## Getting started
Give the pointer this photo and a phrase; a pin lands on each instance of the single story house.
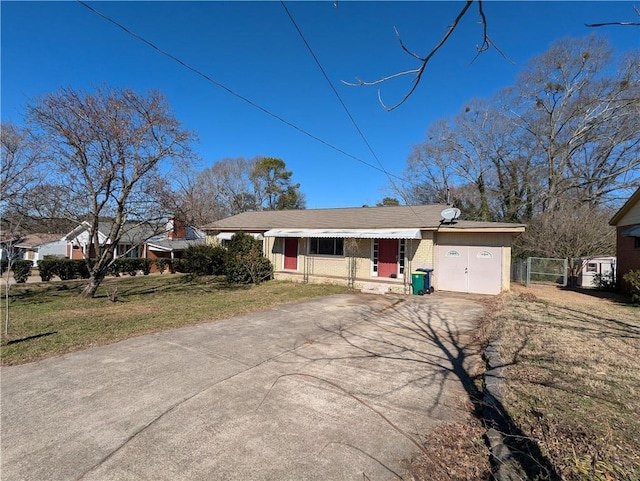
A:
(377, 248)
(168, 240)
(627, 224)
(34, 247)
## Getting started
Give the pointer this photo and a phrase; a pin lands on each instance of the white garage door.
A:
(474, 269)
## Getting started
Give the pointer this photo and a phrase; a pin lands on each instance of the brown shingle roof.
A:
(391, 217)
(35, 240)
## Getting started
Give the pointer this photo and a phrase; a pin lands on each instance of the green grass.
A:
(49, 319)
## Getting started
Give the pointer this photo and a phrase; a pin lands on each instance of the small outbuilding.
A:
(378, 248)
(596, 270)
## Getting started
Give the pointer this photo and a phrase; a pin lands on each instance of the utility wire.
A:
(229, 90)
(344, 106)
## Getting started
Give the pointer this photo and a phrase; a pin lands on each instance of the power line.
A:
(227, 89)
(337, 94)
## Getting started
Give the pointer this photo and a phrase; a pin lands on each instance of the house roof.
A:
(133, 232)
(426, 217)
(628, 205)
(169, 245)
(35, 240)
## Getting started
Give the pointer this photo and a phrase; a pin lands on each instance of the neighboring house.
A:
(377, 248)
(627, 224)
(34, 247)
(594, 268)
(176, 238)
(139, 240)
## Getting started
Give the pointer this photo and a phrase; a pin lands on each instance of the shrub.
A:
(129, 265)
(244, 262)
(632, 280)
(21, 270)
(203, 260)
(604, 282)
(162, 263)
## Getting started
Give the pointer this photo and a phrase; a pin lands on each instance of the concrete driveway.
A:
(304, 391)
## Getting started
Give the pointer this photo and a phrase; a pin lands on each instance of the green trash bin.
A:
(417, 283)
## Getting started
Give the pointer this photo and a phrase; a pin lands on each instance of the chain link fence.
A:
(540, 270)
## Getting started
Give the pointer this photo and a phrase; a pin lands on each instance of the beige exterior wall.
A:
(420, 252)
(632, 217)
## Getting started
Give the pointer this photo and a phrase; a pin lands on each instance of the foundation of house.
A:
(369, 286)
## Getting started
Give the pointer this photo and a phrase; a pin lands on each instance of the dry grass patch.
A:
(573, 379)
(51, 318)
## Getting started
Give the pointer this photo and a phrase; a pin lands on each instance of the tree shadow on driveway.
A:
(424, 348)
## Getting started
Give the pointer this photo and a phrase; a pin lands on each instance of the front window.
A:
(326, 246)
(128, 250)
(591, 267)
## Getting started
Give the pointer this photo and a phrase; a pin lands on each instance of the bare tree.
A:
(584, 119)
(105, 149)
(569, 129)
(18, 165)
(234, 185)
(476, 161)
(572, 230)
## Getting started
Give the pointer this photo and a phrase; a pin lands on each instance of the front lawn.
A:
(51, 318)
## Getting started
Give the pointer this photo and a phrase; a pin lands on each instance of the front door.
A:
(387, 257)
(291, 253)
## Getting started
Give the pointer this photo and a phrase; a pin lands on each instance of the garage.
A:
(474, 260)
(473, 269)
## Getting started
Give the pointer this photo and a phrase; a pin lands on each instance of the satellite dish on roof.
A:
(450, 214)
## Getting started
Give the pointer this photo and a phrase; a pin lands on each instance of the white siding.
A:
(632, 217)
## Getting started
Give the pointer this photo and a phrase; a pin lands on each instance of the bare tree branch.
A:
(419, 71)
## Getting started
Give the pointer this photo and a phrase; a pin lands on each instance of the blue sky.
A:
(254, 49)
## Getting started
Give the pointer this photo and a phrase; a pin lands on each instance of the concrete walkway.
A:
(299, 392)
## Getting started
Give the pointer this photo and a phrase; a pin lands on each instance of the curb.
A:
(505, 465)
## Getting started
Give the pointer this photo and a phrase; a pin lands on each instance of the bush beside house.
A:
(632, 281)
(244, 261)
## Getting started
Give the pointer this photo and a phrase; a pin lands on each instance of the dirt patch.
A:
(453, 452)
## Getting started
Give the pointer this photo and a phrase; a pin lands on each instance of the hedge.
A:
(65, 269)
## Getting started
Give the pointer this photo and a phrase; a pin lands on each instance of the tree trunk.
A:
(94, 282)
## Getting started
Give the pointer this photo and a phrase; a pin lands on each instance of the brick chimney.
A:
(177, 229)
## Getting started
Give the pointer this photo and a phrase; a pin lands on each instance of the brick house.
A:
(377, 248)
(627, 224)
(168, 240)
